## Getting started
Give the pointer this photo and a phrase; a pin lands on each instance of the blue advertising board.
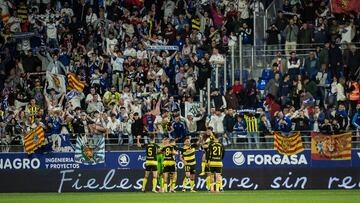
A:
(136, 159)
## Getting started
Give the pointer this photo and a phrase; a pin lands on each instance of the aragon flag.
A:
(74, 82)
(34, 140)
(288, 145)
(345, 6)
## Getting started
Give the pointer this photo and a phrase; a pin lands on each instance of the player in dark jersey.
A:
(169, 151)
(215, 154)
(205, 141)
(188, 158)
(151, 163)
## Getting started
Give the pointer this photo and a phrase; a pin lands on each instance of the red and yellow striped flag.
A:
(331, 147)
(288, 145)
(74, 82)
(34, 140)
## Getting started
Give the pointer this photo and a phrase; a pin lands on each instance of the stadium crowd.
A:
(136, 83)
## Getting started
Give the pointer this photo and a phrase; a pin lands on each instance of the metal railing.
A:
(229, 140)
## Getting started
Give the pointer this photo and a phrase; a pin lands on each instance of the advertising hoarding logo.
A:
(123, 160)
(19, 163)
(238, 158)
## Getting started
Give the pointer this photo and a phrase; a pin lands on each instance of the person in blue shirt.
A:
(54, 123)
(179, 42)
(239, 128)
(179, 129)
(356, 119)
(148, 122)
(342, 117)
(283, 123)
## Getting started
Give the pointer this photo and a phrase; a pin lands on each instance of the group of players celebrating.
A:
(161, 161)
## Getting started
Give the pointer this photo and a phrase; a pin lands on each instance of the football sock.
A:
(144, 184)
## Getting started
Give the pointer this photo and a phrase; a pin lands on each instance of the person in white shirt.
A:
(67, 11)
(257, 6)
(333, 92)
(74, 98)
(127, 96)
(293, 65)
(340, 90)
(243, 8)
(113, 128)
(93, 101)
(14, 23)
(111, 43)
(191, 122)
(347, 32)
(95, 78)
(51, 33)
(55, 66)
(216, 122)
(125, 128)
(321, 78)
(129, 50)
(91, 17)
(216, 58)
(168, 8)
(141, 52)
(117, 62)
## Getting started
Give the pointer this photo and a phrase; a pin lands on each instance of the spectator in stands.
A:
(340, 91)
(231, 99)
(291, 35)
(342, 117)
(354, 95)
(293, 65)
(191, 123)
(265, 130)
(283, 123)
(179, 129)
(335, 60)
(356, 121)
(137, 126)
(113, 129)
(273, 86)
(272, 39)
(311, 65)
(217, 100)
(302, 124)
(305, 37)
(284, 90)
(111, 98)
(252, 130)
(251, 95)
(229, 122)
(216, 121)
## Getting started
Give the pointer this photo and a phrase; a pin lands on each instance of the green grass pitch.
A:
(276, 196)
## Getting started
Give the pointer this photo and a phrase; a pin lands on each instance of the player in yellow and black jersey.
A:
(205, 141)
(215, 155)
(188, 158)
(151, 163)
(169, 151)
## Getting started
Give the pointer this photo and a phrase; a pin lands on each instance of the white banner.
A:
(193, 108)
(162, 47)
